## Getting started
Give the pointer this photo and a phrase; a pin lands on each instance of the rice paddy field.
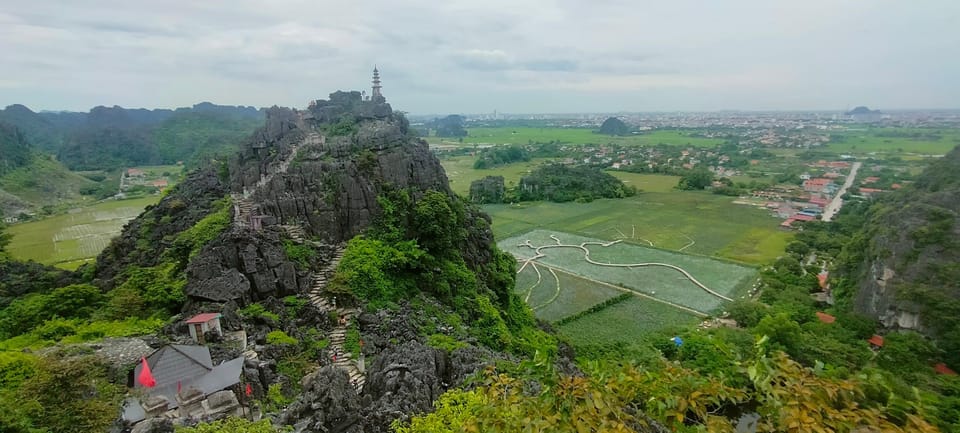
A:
(554, 294)
(624, 322)
(74, 238)
(693, 222)
(726, 279)
(558, 282)
(525, 135)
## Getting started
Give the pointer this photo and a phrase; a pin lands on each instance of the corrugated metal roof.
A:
(203, 317)
(173, 363)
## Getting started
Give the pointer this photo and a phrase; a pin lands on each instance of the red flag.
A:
(249, 390)
(146, 378)
(178, 387)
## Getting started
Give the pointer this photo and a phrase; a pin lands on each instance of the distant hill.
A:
(861, 110)
(37, 129)
(614, 126)
(15, 150)
(30, 179)
(115, 137)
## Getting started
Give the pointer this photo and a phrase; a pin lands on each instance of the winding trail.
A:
(555, 295)
(586, 256)
(539, 279)
(633, 292)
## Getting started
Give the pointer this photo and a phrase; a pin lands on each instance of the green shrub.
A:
(233, 425)
(280, 338)
(351, 341)
(257, 311)
(444, 342)
(294, 304)
(301, 254)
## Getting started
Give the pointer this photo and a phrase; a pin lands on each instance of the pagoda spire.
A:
(376, 96)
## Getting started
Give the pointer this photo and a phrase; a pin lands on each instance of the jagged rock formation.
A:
(909, 250)
(312, 179)
(152, 232)
(490, 189)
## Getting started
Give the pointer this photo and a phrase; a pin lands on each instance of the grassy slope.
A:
(44, 181)
(521, 135)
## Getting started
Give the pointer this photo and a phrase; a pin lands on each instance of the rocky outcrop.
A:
(908, 277)
(490, 189)
(246, 266)
(328, 403)
(144, 238)
(331, 187)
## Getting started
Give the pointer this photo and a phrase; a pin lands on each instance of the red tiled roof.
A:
(802, 217)
(818, 181)
(787, 223)
(876, 340)
(870, 190)
(819, 201)
(825, 318)
(943, 369)
(896, 186)
(822, 278)
(871, 179)
(203, 317)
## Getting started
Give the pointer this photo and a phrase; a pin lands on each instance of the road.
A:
(837, 201)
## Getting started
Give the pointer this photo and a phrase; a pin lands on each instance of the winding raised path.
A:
(586, 256)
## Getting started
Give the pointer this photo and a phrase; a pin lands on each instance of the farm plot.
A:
(624, 322)
(559, 294)
(693, 222)
(700, 283)
(69, 240)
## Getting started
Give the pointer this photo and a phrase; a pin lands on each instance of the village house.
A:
(185, 383)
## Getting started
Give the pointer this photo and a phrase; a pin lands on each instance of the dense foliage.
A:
(15, 150)
(417, 246)
(501, 155)
(450, 126)
(562, 183)
(56, 393)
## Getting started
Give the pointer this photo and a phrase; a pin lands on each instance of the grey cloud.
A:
(465, 56)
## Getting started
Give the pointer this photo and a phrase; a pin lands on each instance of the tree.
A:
(696, 180)
(4, 236)
(70, 394)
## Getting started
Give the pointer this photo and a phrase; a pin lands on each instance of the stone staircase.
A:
(338, 335)
(296, 232)
(244, 207)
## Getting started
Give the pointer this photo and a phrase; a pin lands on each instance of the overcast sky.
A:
(516, 56)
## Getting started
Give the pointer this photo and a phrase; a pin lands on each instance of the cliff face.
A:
(910, 272)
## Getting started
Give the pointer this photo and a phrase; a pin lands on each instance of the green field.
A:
(697, 222)
(575, 293)
(71, 239)
(660, 282)
(624, 322)
(460, 171)
(525, 135)
(928, 141)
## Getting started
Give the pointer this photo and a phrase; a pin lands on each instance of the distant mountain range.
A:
(108, 139)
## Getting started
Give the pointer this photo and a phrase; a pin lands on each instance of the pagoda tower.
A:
(376, 96)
